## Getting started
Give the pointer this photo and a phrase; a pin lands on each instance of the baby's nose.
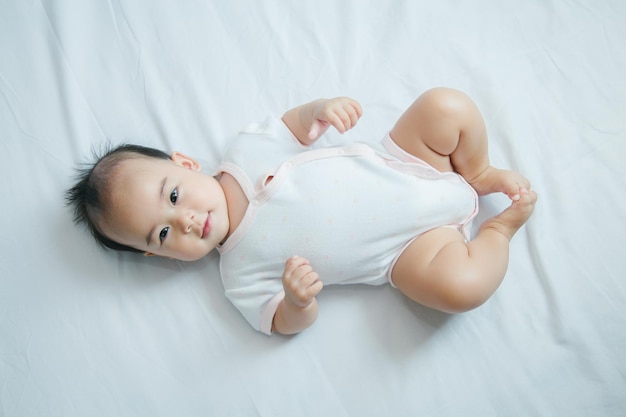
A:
(186, 221)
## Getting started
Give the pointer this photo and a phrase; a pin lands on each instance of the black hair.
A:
(87, 198)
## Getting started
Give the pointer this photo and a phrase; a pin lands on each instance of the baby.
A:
(356, 215)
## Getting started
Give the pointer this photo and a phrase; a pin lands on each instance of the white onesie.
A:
(349, 210)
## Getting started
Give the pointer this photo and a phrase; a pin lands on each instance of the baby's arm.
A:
(298, 310)
(309, 121)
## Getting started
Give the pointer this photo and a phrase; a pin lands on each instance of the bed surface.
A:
(85, 332)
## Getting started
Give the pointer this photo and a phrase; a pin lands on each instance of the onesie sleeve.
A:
(256, 294)
(271, 127)
(259, 311)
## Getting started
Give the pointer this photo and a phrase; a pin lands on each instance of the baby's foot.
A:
(493, 180)
(510, 220)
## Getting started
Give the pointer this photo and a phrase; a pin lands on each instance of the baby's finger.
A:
(306, 290)
(316, 288)
(309, 279)
(335, 121)
(294, 279)
(346, 120)
(293, 263)
(355, 111)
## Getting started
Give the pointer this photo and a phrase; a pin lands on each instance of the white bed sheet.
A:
(84, 332)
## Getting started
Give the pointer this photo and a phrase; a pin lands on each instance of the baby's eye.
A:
(163, 234)
(174, 196)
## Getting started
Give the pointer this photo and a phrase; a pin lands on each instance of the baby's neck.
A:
(236, 201)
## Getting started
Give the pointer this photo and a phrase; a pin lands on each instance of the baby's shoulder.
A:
(266, 127)
(269, 137)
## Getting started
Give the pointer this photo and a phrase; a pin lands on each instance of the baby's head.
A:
(143, 200)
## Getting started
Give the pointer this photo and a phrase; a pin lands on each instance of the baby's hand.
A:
(340, 112)
(300, 282)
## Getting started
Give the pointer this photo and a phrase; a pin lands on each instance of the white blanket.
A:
(88, 332)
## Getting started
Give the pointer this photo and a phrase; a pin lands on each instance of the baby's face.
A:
(166, 208)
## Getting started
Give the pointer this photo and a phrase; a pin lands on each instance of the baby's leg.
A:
(443, 271)
(444, 128)
(440, 269)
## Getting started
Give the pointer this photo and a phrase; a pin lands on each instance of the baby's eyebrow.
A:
(151, 232)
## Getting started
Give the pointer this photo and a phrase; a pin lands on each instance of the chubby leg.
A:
(443, 271)
(440, 269)
(444, 128)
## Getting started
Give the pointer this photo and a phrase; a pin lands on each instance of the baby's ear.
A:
(185, 161)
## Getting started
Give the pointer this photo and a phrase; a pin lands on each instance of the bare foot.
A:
(510, 220)
(494, 180)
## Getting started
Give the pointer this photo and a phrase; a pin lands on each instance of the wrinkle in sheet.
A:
(114, 58)
(556, 316)
(16, 368)
(340, 409)
(10, 98)
(62, 75)
(121, 24)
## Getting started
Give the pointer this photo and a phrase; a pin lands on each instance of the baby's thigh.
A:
(426, 270)
(429, 128)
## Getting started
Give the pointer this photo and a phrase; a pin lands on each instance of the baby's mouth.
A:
(207, 226)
